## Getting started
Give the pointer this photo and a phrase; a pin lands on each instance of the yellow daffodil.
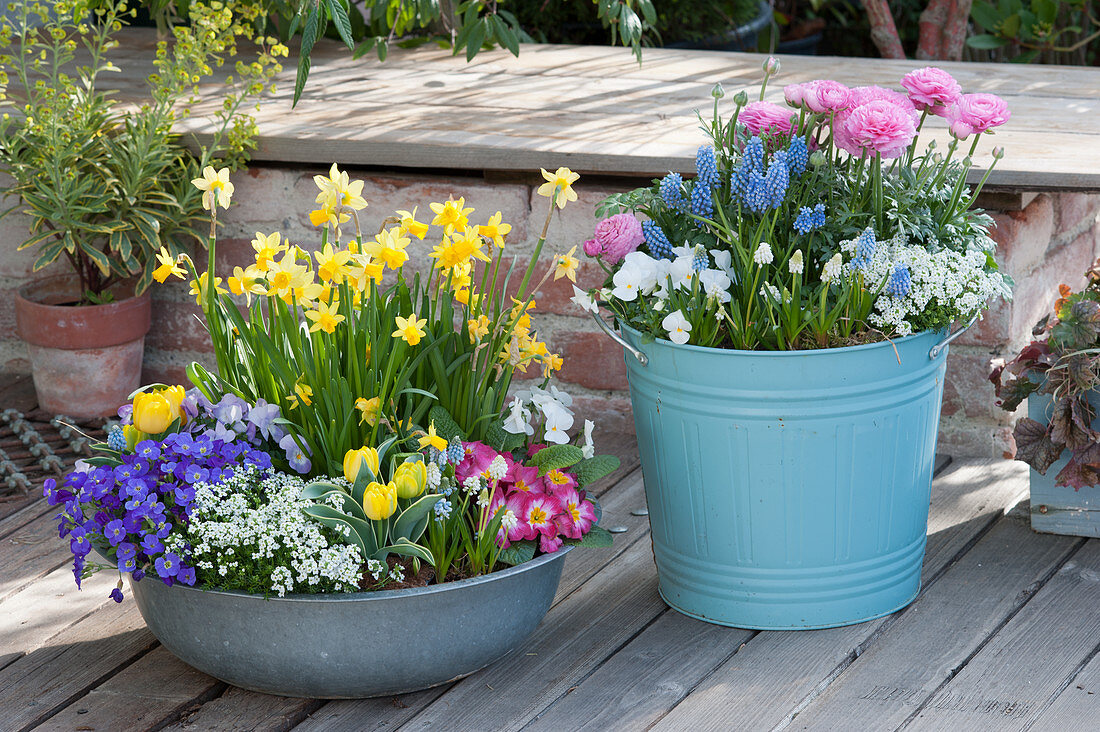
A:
(410, 478)
(388, 247)
(459, 249)
(460, 275)
(337, 190)
(303, 394)
(332, 264)
(324, 318)
(431, 438)
(168, 266)
(379, 501)
(215, 186)
(362, 270)
(354, 460)
(410, 329)
(478, 328)
(286, 275)
(551, 362)
(328, 215)
(523, 319)
(565, 265)
(559, 186)
(495, 231)
(198, 289)
(247, 282)
(409, 224)
(267, 248)
(369, 409)
(451, 215)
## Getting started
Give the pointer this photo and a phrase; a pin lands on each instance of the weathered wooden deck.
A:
(1004, 636)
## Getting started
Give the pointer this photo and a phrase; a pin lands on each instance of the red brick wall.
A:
(1044, 240)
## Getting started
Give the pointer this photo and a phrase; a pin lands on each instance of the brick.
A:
(612, 415)
(1073, 211)
(177, 326)
(592, 360)
(7, 313)
(573, 224)
(1023, 237)
(967, 389)
(963, 438)
(263, 200)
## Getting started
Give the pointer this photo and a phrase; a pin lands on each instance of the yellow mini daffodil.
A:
(332, 264)
(410, 329)
(551, 362)
(369, 409)
(379, 501)
(307, 295)
(337, 190)
(286, 275)
(559, 186)
(267, 248)
(168, 267)
(215, 186)
(303, 394)
(565, 265)
(388, 247)
(478, 328)
(362, 270)
(459, 248)
(523, 319)
(354, 460)
(324, 317)
(198, 288)
(432, 439)
(409, 224)
(495, 231)
(409, 479)
(460, 275)
(452, 215)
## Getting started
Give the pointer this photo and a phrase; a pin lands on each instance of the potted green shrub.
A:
(1058, 374)
(106, 185)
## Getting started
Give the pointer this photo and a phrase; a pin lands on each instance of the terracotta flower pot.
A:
(85, 359)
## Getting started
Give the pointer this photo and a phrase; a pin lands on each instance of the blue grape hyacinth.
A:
(117, 439)
(672, 193)
(702, 203)
(797, 156)
(865, 249)
(706, 167)
(656, 240)
(809, 219)
(900, 281)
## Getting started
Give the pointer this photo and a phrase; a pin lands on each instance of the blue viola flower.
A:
(186, 575)
(167, 566)
(125, 550)
(151, 544)
(195, 474)
(78, 542)
(147, 449)
(116, 594)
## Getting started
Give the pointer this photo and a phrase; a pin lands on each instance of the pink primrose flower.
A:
(511, 527)
(476, 462)
(977, 113)
(825, 96)
(557, 480)
(618, 236)
(523, 479)
(877, 127)
(577, 514)
(761, 117)
(931, 89)
(549, 544)
(537, 514)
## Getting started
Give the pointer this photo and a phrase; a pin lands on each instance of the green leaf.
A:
(984, 15)
(445, 425)
(362, 533)
(1010, 28)
(518, 553)
(309, 38)
(339, 15)
(477, 37)
(986, 42)
(501, 439)
(597, 536)
(596, 467)
(556, 457)
(103, 460)
(316, 489)
(412, 522)
(405, 548)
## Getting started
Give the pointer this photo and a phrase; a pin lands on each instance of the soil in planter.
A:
(423, 578)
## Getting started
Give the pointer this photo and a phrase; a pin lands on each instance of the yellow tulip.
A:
(175, 396)
(353, 461)
(152, 412)
(379, 501)
(410, 479)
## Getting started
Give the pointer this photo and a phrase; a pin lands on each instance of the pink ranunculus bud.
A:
(765, 117)
(824, 96)
(592, 248)
(771, 66)
(617, 236)
(793, 94)
(878, 127)
(977, 113)
(931, 89)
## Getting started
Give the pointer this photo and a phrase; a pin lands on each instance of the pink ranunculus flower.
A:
(617, 236)
(592, 248)
(794, 94)
(878, 127)
(977, 113)
(765, 117)
(931, 89)
(577, 514)
(864, 94)
(825, 96)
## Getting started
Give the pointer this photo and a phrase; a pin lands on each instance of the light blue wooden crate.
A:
(1060, 509)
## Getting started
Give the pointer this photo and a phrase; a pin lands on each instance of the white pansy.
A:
(677, 326)
(716, 284)
(558, 422)
(681, 272)
(589, 449)
(627, 283)
(584, 301)
(518, 421)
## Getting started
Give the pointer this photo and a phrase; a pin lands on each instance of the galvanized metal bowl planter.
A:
(344, 646)
(787, 489)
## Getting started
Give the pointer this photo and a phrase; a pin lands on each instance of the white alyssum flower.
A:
(763, 254)
(677, 326)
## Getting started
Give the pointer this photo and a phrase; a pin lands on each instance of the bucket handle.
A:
(642, 358)
(942, 345)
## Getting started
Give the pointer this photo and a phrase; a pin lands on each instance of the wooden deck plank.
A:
(79, 658)
(596, 110)
(141, 696)
(1080, 701)
(30, 552)
(940, 631)
(777, 673)
(1029, 662)
(247, 711)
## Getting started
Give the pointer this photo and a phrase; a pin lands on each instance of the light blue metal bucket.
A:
(787, 490)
